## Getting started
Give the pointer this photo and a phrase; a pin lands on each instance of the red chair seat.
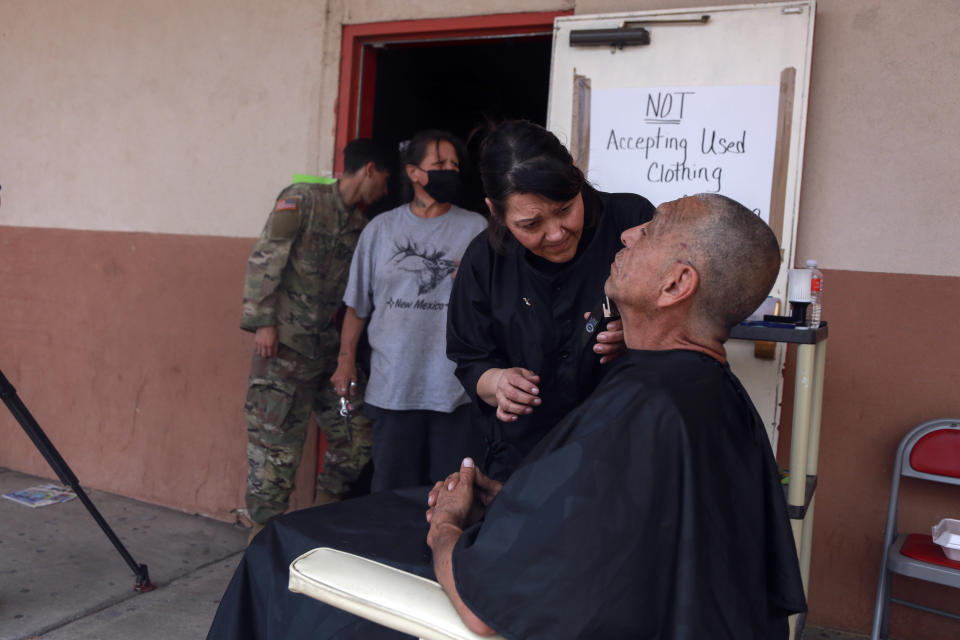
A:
(922, 547)
(938, 453)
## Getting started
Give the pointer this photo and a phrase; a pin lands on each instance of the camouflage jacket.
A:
(298, 268)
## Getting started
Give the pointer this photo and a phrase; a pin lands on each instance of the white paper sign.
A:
(668, 142)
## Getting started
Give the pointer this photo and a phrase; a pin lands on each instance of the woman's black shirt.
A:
(510, 309)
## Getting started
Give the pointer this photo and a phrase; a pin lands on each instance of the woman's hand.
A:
(517, 393)
(344, 379)
(512, 391)
(610, 342)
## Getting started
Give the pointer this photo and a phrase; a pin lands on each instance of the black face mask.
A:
(443, 185)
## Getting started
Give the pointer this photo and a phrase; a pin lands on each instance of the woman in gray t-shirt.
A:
(400, 281)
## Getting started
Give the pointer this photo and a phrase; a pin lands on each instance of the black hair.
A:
(359, 152)
(519, 156)
(414, 150)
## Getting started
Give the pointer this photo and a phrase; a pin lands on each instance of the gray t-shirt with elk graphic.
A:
(400, 278)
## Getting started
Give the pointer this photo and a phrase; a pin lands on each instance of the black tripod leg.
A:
(9, 396)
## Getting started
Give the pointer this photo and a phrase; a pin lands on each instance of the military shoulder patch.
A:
(286, 204)
(284, 224)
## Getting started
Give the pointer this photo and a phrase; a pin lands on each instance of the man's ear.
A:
(680, 282)
(489, 205)
(370, 168)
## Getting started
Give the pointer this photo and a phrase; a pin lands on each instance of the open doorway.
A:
(457, 87)
(454, 74)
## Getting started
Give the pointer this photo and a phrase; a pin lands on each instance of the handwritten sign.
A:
(667, 142)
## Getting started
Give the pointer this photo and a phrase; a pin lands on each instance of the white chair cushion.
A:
(377, 592)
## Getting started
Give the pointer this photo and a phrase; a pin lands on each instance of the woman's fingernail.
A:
(468, 462)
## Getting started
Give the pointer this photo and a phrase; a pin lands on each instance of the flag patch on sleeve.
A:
(286, 204)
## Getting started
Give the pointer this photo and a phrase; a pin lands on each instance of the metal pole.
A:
(23, 416)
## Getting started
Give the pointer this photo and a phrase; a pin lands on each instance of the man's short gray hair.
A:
(737, 257)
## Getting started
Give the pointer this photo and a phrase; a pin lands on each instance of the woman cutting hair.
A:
(516, 326)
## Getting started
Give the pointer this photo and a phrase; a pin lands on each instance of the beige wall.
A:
(171, 116)
(155, 115)
(143, 142)
(175, 116)
(880, 187)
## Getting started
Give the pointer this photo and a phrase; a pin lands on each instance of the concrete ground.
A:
(62, 579)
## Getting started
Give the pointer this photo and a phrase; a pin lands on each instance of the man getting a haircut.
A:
(654, 509)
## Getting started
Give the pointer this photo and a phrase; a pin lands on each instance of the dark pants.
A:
(416, 448)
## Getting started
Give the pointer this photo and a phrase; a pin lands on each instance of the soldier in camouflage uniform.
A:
(294, 284)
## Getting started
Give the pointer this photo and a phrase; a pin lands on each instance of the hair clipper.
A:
(602, 316)
(610, 311)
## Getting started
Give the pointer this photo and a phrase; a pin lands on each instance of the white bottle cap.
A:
(811, 264)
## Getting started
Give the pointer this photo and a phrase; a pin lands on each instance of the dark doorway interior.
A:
(457, 86)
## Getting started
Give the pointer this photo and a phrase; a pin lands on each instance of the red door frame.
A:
(354, 68)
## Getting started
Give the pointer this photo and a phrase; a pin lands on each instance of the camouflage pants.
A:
(282, 393)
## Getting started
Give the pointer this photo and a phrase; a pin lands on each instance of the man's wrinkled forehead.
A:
(663, 219)
(677, 212)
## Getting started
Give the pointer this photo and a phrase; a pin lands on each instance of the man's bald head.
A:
(736, 255)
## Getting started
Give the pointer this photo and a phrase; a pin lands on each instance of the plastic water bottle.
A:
(816, 295)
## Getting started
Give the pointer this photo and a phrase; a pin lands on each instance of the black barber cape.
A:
(388, 527)
(653, 511)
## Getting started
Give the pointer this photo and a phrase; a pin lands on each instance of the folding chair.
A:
(375, 591)
(930, 452)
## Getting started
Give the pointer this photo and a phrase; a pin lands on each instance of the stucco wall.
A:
(142, 145)
(176, 117)
(172, 116)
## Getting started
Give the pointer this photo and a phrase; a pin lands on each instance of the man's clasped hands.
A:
(461, 498)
